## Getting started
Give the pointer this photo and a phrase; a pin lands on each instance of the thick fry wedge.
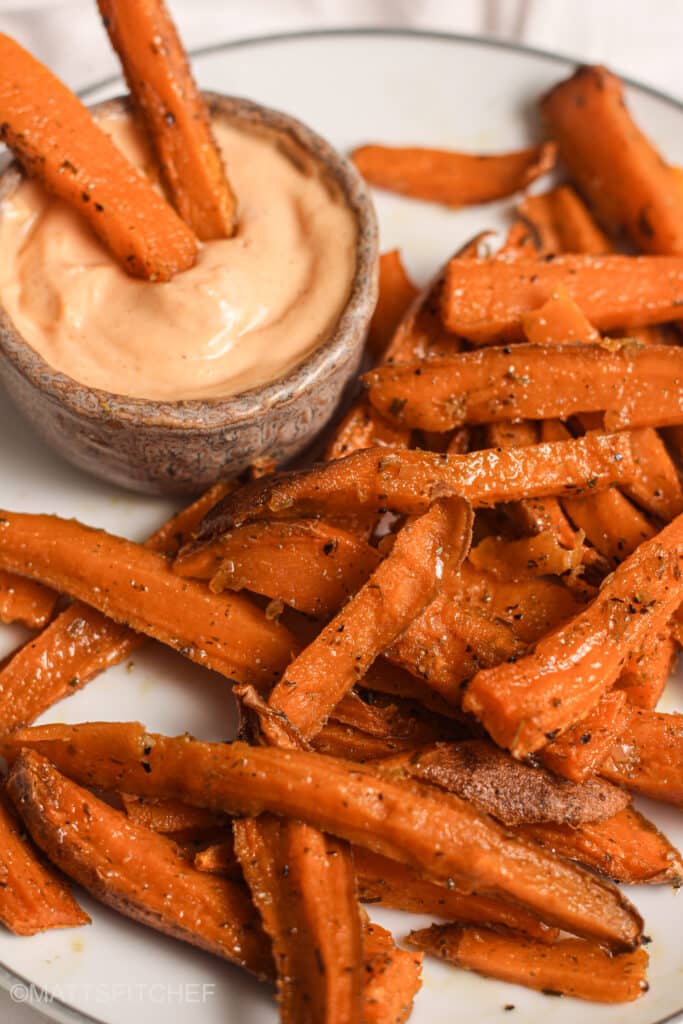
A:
(81, 165)
(177, 120)
(485, 300)
(526, 704)
(135, 871)
(578, 753)
(570, 967)
(625, 179)
(393, 978)
(136, 586)
(33, 898)
(454, 179)
(647, 757)
(627, 848)
(446, 840)
(563, 223)
(25, 601)
(396, 293)
(633, 386)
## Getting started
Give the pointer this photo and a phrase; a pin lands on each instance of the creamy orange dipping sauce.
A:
(252, 308)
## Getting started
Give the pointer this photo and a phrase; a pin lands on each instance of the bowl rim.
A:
(212, 413)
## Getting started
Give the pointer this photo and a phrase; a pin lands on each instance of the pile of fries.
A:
(448, 640)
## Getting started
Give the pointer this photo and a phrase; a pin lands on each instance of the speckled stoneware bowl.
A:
(181, 447)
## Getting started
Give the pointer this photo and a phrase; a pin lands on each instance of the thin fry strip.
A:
(485, 300)
(454, 179)
(136, 587)
(635, 387)
(446, 840)
(526, 704)
(625, 179)
(563, 223)
(25, 601)
(578, 753)
(570, 967)
(647, 757)
(396, 294)
(80, 164)
(159, 78)
(137, 872)
(342, 653)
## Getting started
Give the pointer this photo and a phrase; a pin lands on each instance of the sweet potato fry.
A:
(454, 179)
(625, 179)
(33, 898)
(558, 321)
(647, 757)
(177, 120)
(627, 848)
(646, 672)
(136, 586)
(570, 967)
(25, 601)
(635, 387)
(80, 164)
(526, 704)
(396, 293)
(135, 871)
(578, 753)
(485, 300)
(513, 793)
(563, 223)
(446, 840)
(392, 980)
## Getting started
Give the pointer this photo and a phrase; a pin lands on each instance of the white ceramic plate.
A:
(353, 87)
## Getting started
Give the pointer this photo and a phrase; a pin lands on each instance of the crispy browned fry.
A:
(578, 753)
(647, 757)
(396, 293)
(526, 704)
(25, 601)
(512, 792)
(623, 176)
(627, 848)
(393, 977)
(137, 587)
(634, 386)
(563, 223)
(33, 898)
(570, 967)
(398, 590)
(646, 672)
(445, 839)
(137, 872)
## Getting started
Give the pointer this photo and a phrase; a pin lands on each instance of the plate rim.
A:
(53, 1008)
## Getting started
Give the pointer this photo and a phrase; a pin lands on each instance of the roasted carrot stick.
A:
(169, 815)
(636, 387)
(646, 672)
(398, 590)
(627, 848)
(137, 872)
(219, 859)
(647, 757)
(569, 967)
(160, 80)
(33, 898)
(526, 704)
(393, 978)
(56, 140)
(137, 587)
(454, 179)
(540, 555)
(563, 223)
(446, 840)
(578, 753)
(625, 179)
(519, 243)
(396, 293)
(25, 601)
(656, 484)
(558, 321)
(485, 300)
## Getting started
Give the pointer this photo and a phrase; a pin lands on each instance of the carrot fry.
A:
(393, 978)
(637, 387)
(159, 77)
(485, 300)
(578, 753)
(526, 704)
(80, 164)
(646, 671)
(519, 243)
(81, 642)
(341, 654)
(396, 293)
(647, 757)
(454, 179)
(385, 678)
(33, 898)
(363, 427)
(219, 859)
(558, 321)
(25, 601)
(352, 744)
(656, 485)
(563, 223)
(625, 179)
(408, 482)
(627, 848)
(446, 840)
(513, 793)
(391, 884)
(136, 586)
(569, 967)
(169, 815)
(540, 555)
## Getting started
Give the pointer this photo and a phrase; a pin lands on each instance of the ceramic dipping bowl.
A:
(181, 447)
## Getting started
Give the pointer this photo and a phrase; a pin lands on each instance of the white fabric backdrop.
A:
(635, 37)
